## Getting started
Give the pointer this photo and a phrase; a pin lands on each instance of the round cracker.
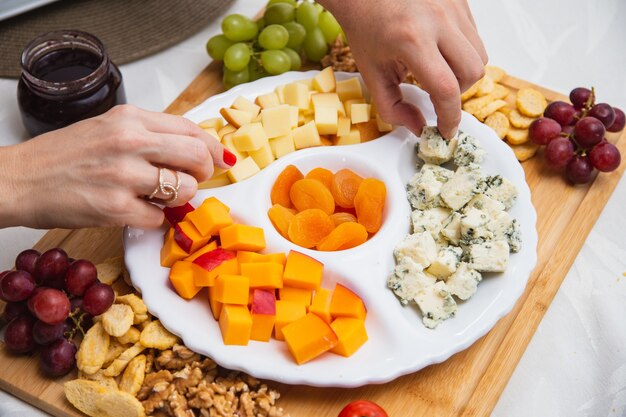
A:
(495, 73)
(520, 121)
(517, 136)
(525, 151)
(499, 123)
(530, 102)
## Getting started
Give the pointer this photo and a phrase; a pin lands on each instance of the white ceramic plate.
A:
(398, 341)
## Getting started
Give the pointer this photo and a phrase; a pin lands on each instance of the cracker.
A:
(470, 92)
(489, 109)
(133, 375)
(158, 337)
(110, 270)
(517, 136)
(530, 102)
(93, 349)
(499, 123)
(140, 318)
(83, 395)
(525, 151)
(115, 350)
(130, 337)
(477, 103)
(486, 86)
(520, 121)
(495, 73)
(105, 381)
(120, 363)
(136, 303)
(500, 92)
(115, 403)
(117, 319)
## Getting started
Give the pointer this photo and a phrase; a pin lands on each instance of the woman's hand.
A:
(98, 172)
(436, 40)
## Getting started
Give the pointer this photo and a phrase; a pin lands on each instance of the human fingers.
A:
(163, 185)
(143, 215)
(466, 24)
(436, 77)
(463, 59)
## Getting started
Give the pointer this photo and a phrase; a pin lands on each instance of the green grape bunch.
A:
(289, 33)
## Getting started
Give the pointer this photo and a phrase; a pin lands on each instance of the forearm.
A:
(14, 202)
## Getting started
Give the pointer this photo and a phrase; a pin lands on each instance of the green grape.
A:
(233, 78)
(280, 13)
(239, 28)
(294, 58)
(274, 37)
(260, 24)
(275, 62)
(318, 7)
(329, 26)
(256, 70)
(297, 32)
(307, 15)
(217, 46)
(237, 57)
(292, 2)
(315, 45)
(344, 38)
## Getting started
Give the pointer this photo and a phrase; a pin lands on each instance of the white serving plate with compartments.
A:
(398, 341)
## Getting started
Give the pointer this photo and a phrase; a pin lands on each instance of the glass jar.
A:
(67, 76)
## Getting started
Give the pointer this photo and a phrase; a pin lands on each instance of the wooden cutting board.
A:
(467, 384)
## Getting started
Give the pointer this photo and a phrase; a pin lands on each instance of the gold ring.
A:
(169, 190)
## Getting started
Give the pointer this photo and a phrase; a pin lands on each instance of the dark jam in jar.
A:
(66, 77)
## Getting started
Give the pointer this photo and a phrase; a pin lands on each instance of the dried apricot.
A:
(281, 217)
(322, 175)
(345, 236)
(309, 227)
(344, 187)
(309, 194)
(342, 217)
(282, 185)
(369, 203)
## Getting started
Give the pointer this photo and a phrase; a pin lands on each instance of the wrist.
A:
(14, 199)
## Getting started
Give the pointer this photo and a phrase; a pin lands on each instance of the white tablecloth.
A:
(575, 365)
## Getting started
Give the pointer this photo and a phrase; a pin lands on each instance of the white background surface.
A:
(575, 366)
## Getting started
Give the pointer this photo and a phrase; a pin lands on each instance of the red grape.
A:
(543, 130)
(51, 306)
(26, 260)
(12, 310)
(98, 298)
(31, 300)
(560, 111)
(588, 132)
(3, 273)
(579, 97)
(81, 275)
(579, 170)
(559, 152)
(605, 157)
(16, 286)
(18, 335)
(76, 305)
(45, 333)
(568, 130)
(603, 112)
(50, 268)
(620, 121)
(58, 358)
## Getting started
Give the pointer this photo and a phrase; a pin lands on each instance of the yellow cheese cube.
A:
(276, 121)
(242, 103)
(295, 112)
(263, 156)
(282, 145)
(216, 181)
(227, 141)
(302, 118)
(328, 100)
(280, 92)
(310, 109)
(250, 137)
(308, 82)
(236, 117)
(244, 168)
(351, 138)
(211, 131)
(382, 125)
(349, 89)
(343, 126)
(297, 94)
(306, 136)
(267, 101)
(325, 141)
(359, 113)
(324, 82)
(257, 119)
(225, 130)
(216, 123)
(348, 105)
(326, 120)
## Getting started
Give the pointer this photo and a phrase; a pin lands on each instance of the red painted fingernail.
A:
(229, 158)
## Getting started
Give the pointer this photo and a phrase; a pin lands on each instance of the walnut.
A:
(168, 359)
(158, 399)
(178, 405)
(154, 382)
(340, 57)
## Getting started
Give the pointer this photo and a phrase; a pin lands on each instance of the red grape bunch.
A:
(574, 135)
(49, 298)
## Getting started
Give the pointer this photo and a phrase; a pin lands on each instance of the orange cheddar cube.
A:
(212, 264)
(242, 237)
(181, 277)
(171, 251)
(205, 249)
(265, 275)
(232, 289)
(263, 310)
(321, 304)
(235, 324)
(309, 337)
(351, 334)
(216, 306)
(210, 217)
(188, 237)
(298, 295)
(345, 303)
(302, 271)
(244, 256)
(287, 312)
